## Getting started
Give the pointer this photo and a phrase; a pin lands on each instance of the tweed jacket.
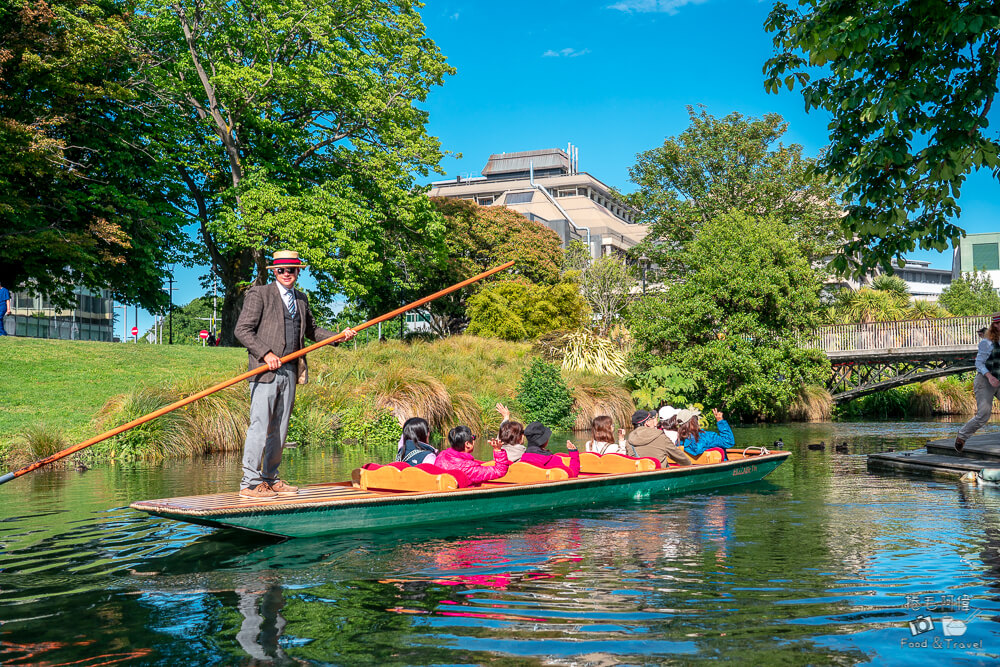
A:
(261, 328)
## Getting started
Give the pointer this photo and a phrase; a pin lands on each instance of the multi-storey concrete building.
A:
(546, 186)
(925, 283)
(37, 317)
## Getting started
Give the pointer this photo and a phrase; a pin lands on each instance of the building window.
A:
(485, 201)
(519, 197)
(985, 257)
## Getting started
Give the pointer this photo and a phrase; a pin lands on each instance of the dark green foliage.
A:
(732, 325)
(880, 405)
(84, 196)
(543, 396)
(972, 294)
(662, 385)
(720, 165)
(909, 85)
(362, 425)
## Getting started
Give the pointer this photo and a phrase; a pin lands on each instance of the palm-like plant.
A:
(926, 310)
(871, 305)
(893, 284)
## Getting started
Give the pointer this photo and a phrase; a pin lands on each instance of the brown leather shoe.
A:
(260, 492)
(959, 444)
(283, 488)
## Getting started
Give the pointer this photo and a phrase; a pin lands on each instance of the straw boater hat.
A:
(286, 259)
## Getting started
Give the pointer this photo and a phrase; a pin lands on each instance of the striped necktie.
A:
(290, 302)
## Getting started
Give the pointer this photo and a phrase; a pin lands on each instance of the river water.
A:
(822, 563)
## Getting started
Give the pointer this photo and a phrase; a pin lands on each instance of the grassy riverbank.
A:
(58, 392)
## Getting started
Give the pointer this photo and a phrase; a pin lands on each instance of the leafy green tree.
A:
(188, 321)
(519, 310)
(543, 396)
(607, 284)
(734, 163)
(84, 199)
(478, 238)
(909, 85)
(732, 325)
(295, 123)
(972, 294)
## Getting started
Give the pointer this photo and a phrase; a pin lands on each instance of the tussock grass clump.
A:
(36, 442)
(946, 396)
(215, 423)
(813, 403)
(595, 395)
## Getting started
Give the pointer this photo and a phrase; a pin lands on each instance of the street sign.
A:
(135, 331)
(203, 334)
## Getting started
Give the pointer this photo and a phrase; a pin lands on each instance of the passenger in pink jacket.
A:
(536, 452)
(459, 457)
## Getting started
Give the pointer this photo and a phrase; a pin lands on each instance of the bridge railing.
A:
(938, 332)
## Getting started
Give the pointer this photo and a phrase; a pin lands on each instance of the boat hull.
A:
(331, 508)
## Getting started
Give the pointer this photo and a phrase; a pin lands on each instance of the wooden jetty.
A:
(941, 460)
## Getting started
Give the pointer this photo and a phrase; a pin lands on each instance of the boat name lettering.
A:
(744, 471)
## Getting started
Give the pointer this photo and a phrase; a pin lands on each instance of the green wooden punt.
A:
(338, 507)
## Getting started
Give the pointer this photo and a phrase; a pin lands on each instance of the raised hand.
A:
(504, 412)
(570, 446)
(717, 414)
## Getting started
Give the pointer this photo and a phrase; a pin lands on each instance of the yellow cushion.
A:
(526, 473)
(711, 456)
(613, 463)
(388, 478)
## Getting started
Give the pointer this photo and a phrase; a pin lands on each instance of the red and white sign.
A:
(135, 331)
(203, 334)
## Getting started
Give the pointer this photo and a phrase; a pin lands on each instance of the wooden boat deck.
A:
(331, 507)
(214, 504)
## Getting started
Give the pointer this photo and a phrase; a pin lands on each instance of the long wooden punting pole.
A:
(239, 378)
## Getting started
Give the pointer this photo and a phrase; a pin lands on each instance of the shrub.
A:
(364, 425)
(582, 350)
(544, 396)
(662, 385)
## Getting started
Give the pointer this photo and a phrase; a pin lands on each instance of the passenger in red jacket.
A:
(536, 452)
(459, 457)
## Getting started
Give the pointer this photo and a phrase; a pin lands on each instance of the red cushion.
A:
(459, 476)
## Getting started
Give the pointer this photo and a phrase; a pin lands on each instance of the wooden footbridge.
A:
(874, 356)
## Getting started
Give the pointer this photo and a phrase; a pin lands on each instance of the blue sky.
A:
(614, 78)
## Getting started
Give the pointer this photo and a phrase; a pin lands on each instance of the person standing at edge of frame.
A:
(987, 383)
(274, 322)
(4, 307)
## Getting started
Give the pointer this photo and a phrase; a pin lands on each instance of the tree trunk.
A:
(234, 277)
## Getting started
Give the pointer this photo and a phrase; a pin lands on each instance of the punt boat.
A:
(363, 505)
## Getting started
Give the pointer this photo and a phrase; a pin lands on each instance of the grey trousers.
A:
(270, 407)
(985, 392)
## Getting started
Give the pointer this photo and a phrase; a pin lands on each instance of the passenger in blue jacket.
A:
(694, 441)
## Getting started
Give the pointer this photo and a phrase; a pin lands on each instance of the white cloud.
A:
(454, 17)
(660, 6)
(565, 53)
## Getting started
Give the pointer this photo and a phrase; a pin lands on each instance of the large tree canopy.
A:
(83, 201)
(910, 86)
(294, 123)
(719, 165)
(478, 238)
(732, 324)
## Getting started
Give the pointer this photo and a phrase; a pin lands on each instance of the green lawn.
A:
(64, 383)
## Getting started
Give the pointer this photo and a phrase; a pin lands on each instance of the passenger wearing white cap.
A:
(668, 422)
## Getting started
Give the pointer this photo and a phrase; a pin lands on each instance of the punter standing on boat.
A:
(987, 382)
(274, 322)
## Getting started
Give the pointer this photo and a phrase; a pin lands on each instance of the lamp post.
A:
(643, 263)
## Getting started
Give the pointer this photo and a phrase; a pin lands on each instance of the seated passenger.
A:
(668, 422)
(647, 440)
(603, 437)
(459, 457)
(536, 450)
(696, 442)
(512, 440)
(414, 447)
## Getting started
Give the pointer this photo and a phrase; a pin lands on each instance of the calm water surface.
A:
(822, 563)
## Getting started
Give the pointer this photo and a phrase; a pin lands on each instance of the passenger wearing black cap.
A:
(536, 437)
(647, 440)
